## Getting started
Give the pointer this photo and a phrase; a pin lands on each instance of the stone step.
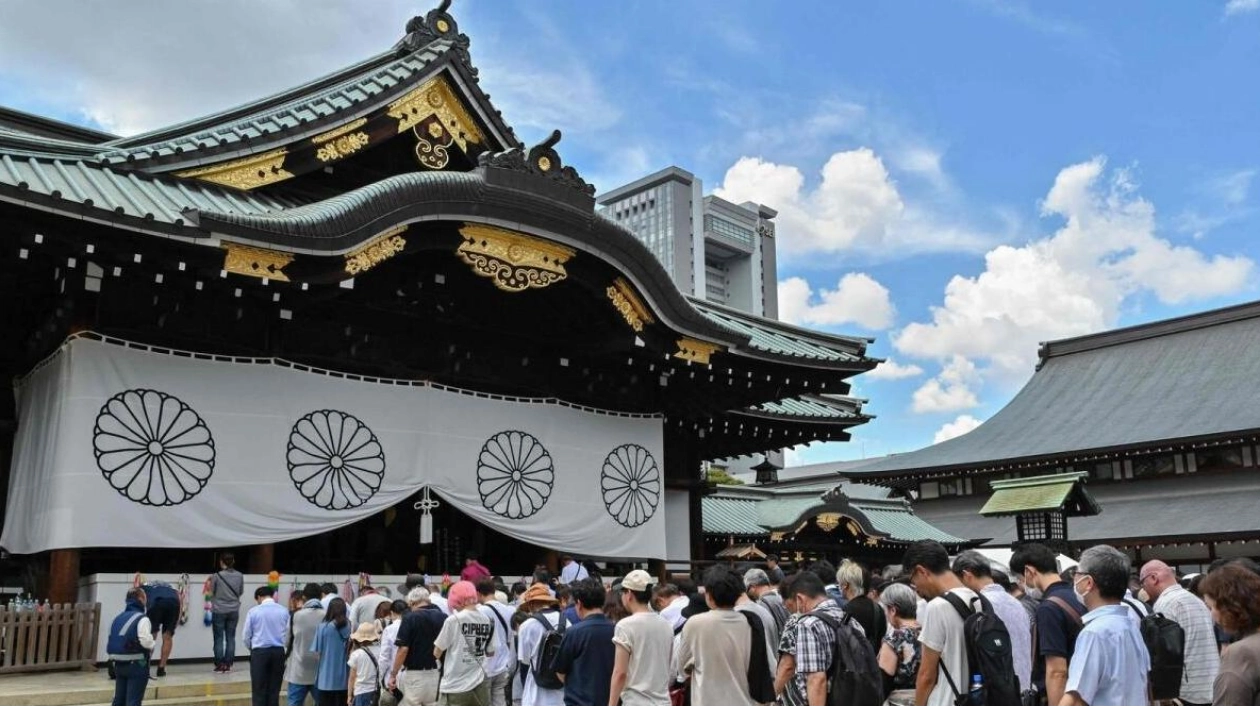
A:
(100, 690)
(243, 698)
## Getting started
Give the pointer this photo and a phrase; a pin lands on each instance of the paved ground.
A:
(187, 682)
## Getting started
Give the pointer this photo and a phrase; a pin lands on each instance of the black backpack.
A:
(760, 679)
(854, 676)
(1166, 642)
(543, 668)
(988, 654)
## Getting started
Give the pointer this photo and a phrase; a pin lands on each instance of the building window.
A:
(1219, 458)
(1163, 465)
(727, 228)
(929, 490)
(1103, 472)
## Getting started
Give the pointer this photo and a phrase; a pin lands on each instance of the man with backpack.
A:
(832, 655)
(1057, 620)
(966, 648)
(716, 647)
(500, 667)
(1111, 663)
(538, 642)
(976, 572)
(1200, 659)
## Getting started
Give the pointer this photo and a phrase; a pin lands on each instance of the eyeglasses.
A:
(1152, 575)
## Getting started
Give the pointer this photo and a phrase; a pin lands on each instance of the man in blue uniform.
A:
(163, 613)
(129, 645)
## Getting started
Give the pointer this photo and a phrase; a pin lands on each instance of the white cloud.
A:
(1071, 283)
(857, 299)
(56, 49)
(855, 206)
(1238, 7)
(890, 370)
(1232, 188)
(856, 201)
(959, 427)
(923, 162)
(949, 391)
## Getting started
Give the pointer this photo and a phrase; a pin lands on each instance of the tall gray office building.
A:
(712, 248)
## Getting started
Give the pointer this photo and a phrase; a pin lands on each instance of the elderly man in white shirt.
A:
(1110, 663)
(1202, 661)
(976, 573)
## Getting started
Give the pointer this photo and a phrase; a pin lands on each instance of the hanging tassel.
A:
(426, 505)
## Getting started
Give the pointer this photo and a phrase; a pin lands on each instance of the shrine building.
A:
(1145, 438)
(281, 327)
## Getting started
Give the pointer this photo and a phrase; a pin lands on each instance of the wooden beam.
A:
(63, 576)
(262, 558)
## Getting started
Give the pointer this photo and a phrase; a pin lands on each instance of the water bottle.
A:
(976, 693)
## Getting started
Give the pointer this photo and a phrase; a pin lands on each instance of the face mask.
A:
(1079, 597)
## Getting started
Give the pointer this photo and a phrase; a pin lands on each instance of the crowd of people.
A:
(934, 630)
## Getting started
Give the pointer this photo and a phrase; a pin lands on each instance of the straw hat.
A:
(366, 631)
(537, 593)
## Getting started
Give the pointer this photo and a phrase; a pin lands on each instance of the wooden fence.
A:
(61, 637)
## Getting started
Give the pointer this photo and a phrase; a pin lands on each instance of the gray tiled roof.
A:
(813, 407)
(332, 98)
(1204, 504)
(1193, 380)
(133, 194)
(784, 339)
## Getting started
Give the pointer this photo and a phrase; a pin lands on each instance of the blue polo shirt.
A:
(586, 659)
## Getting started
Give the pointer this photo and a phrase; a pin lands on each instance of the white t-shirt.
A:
(440, 602)
(673, 612)
(466, 638)
(500, 616)
(650, 640)
(943, 632)
(529, 638)
(363, 661)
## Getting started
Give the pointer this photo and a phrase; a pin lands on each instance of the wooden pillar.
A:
(696, 519)
(63, 576)
(262, 558)
(657, 569)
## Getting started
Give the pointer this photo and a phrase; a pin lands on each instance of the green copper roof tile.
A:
(900, 523)
(730, 516)
(1040, 493)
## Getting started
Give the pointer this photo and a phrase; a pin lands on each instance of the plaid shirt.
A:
(813, 644)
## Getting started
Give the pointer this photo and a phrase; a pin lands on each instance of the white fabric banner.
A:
(126, 447)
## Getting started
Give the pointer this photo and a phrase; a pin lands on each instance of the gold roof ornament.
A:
(695, 350)
(828, 521)
(382, 248)
(341, 142)
(246, 173)
(438, 119)
(513, 261)
(256, 262)
(627, 302)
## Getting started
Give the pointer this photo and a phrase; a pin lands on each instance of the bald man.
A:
(1174, 602)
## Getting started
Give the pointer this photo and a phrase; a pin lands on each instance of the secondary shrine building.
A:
(1145, 438)
(279, 325)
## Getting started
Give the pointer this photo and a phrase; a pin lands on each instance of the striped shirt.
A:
(1202, 660)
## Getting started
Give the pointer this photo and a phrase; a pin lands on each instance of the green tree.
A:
(718, 475)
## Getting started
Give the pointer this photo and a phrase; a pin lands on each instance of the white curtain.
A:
(122, 446)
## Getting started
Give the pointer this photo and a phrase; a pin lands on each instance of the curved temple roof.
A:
(755, 512)
(134, 183)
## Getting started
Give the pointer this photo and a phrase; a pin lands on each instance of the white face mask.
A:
(1079, 597)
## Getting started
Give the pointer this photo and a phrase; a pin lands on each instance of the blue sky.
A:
(959, 180)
